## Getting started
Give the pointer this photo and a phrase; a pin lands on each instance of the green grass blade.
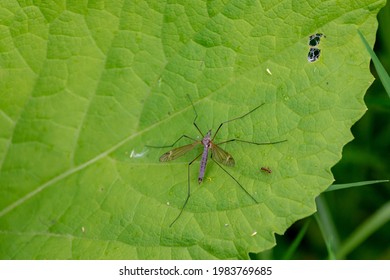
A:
(378, 219)
(336, 187)
(384, 77)
(294, 246)
(327, 227)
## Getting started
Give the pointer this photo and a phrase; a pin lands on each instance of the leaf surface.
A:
(86, 86)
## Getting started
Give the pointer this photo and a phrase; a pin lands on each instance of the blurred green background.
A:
(367, 157)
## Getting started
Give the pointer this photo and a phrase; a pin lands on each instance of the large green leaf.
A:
(87, 85)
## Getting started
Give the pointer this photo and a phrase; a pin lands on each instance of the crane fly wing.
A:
(178, 152)
(221, 156)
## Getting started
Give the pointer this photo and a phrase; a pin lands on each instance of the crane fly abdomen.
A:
(206, 141)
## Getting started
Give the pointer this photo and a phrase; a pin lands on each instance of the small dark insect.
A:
(218, 155)
(313, 54)
(266, 169)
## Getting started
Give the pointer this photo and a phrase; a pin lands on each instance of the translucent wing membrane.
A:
(178, 152)
(221, 156)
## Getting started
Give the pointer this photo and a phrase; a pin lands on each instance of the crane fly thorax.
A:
(206, 141)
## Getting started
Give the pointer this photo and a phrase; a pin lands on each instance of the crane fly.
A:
(218, 155)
